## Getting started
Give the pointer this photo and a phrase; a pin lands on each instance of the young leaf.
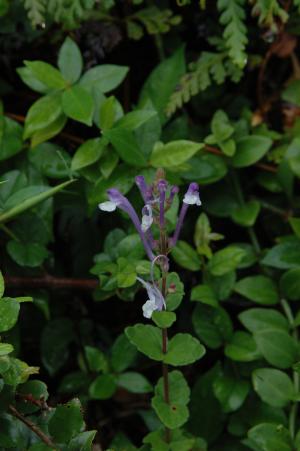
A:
(103, 387)
(78, 104)
(42, 113)
(163, 319)
(104, 78)
(183, 349)
(70, 60)
(225, 260)
(88, 153)
(46, 74)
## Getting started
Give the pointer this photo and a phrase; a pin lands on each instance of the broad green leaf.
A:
(163, 319)
(27, 254)
(212, 325)
(11, 141)
(270, 437)
(277, 346)
(162, 82)
(173, 153)
(273, 386)
(285, 255)
(70, 60)
(66, 421)
(42, 113)
(48, 131)
(135, 119)
(1, 284)
(96, 359)
(242, 348)
(175, 414)
(183, 349)
(258, 319)
(78, 104)
(220, 126)
(246, 214)
(205, 168)
(222, 285)
(18, 372)
(46, 74)
(225, 260)
(230, 391)
(88, 153)
(9, 312)
(51, 160)
(56, 338)
(204, 294)
(31, 202)
(126, 275)
(123, 354)
(147, 339)
(103, 387)
(259, 289)
(5, 348)
(185, 256)
(134, 382)
(108, 113)
(29, 78)
(125, 143)
(82, 441)
(103, 78)
(290, 284)
(250, 149)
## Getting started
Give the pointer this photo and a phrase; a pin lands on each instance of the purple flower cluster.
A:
(158, 197)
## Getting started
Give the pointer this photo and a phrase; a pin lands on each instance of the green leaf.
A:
(123, 354)
(277, 346)
(5, 348)
(42, 113)
(205, 168)
(1, 284)
(35, 388)
(175, 291)
(82, 441)
(70, 60)
(29, 78)
(230, 391)
(163, 319)
(108, 113)
(175, 414)
(185, 256)
(27, 254)
(220, 126)
(225, 260)
(56, 338)
(78, 104)
(242, 348)
(9, 312)
(285, 255)
(32, 201)
(46, 74)
(273, 386)
(126, 276)
(246, 214)
(183, 349)
(292, 156)
(88, 153)
(134, 382)
(291, 93)
(204, 294)
(162, 82)
(290, 284)
(103, 387)
(258, 319)
(174, 153)
(212, 325)
(50, 160)
(147, 339)
(126, 145)
(11, 141)
(49, 131)
(104, 78)
(270, 437)
(66, 421)
(135, 119)
(250, 149)
(295, 224)
(260, 289)
(96, 359)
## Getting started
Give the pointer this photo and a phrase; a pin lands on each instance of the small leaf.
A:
(183, 349)
(242, 348)
(9, 312)
(174, 153)
(257, 319)
(204, 294)
(82, 441)
(95, 358)
(290, 284)
(134, 382)
(273, 386)
(70, 60)
(163, 319)
(5, 348)
(103, 387)
(147, 339)
(277, 346)
(225, 260)
(270, 437)
(66, 421)
(27, 254)
(212, 325)
(78, 104)
(260, 289)
(123, 354)
(230, 391)
(285, 255)
(88, 153)
(104, 78)
(185, 256)
(46, 74)
(250, 149)
(126, 145)
(42, 113)
(246, 214)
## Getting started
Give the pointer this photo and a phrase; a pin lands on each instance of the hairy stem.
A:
(294, 407)
(34, 428)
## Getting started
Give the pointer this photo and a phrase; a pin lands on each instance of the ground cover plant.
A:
(149, 225)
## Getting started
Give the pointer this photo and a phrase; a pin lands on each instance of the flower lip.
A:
(192, 195)
(147, 218)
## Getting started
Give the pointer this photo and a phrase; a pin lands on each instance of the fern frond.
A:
(153, 19)
(235, 31)
(267, 11)
(69, 12)
(36, 10)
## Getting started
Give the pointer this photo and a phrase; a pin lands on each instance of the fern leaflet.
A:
(36, 10)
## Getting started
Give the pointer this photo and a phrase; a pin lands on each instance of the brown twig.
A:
(50, 282)
(28, 398)
(47, 440)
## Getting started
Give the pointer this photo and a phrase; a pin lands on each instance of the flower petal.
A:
(148, 308)
(108, 206)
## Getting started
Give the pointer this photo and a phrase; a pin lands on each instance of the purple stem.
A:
(182, 214)
(141, 184)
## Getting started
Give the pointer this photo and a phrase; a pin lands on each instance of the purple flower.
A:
(117, 200)
(156, 300)
(147, 218)
(191, 197)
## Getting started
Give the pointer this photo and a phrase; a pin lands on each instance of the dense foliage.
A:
(93, 94)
